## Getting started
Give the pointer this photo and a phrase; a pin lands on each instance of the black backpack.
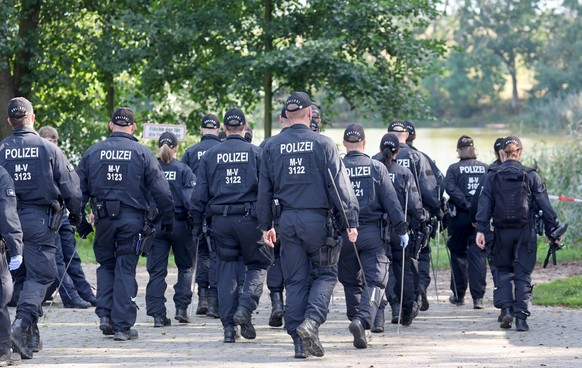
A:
(512, 194)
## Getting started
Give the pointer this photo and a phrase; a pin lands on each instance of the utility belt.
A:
(232, 209)
(55, 211)
(321, 211)
(111, 209)
(39, 207)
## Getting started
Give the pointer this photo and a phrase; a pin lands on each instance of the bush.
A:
(562, 173)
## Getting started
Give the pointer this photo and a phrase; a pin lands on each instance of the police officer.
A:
(409, 198)
(10, 248)
(182, 182)
(295, 182)
(227, 189)
(74, 289)
(498, 151)
(515, 246)
(426, 180)
(206, 261)
(275, 280)
(315, 121)
(379, 208)
(118, 175)
(468, 262)
(43, 177)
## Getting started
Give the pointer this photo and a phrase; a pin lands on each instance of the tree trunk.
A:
(513, 73)
(28, 26)
(6, 94)
(110, 91)
(268, 77)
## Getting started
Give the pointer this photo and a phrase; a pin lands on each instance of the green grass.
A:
(85, 250)
(564, 292)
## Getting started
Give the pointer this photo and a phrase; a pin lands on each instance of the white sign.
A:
(153, 131)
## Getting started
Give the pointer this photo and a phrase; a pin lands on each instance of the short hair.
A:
(234, 129)
(48, 132)
(467, 153)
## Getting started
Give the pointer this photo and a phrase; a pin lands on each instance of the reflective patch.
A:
(192, 183)
(70, 167)
(10, 192)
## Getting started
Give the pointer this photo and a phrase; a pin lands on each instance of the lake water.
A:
(441, 143)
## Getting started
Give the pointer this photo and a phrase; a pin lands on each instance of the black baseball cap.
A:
(234, 117)
(411, 131)
(464, 141)
(315, 113)
(123, 116)
(313, 125)
(354, 133)
(397, 126)
(498, 145)
(210, 121)
(19, 107)
(249, 135)
(297, 101)
(390, 141)
(169, 139)
(512, 140)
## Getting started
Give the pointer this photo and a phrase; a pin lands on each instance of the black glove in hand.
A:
(84, 228)
(75, 219)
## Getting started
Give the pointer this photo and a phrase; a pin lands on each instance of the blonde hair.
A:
(512, 151)
(166, 153)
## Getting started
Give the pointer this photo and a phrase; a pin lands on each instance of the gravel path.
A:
(443, 336)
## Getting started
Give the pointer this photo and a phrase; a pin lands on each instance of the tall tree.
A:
(506, 29)
(221, 53)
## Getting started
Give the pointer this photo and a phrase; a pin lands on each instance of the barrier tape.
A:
(565, 199)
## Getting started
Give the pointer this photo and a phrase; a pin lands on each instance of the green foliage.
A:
(564, 292)
(558, 64)
(563, 177)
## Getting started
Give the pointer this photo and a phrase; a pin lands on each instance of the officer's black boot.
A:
(162, 321)
(20, 333)
(34, 342)
(299, 352)
(506, 318)
(423, 300)
(229, 334)
(182, 315)
(10, 358)
(359, 333)
(212, 304)
(202, 301)
(308, 331)
(276, 318)
(131, 334)
(521, 324)
(395, 312)
(242, 317)
(379, 321)
(106, 326)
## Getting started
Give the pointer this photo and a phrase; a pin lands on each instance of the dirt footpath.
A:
(443, 336)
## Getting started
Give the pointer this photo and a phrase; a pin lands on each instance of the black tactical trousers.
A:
(309, 277)
(275, 280)
(39, 259)
(66, 237)
(514, 255)
(5, 296)
(236, 236)
(363, 304)
(408, 296)
(468, 262)
(115, 252)
(181, 242)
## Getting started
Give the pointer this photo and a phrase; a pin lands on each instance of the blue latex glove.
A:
(15, 262)
(404, 240)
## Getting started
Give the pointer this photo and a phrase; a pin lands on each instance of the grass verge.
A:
(565, 292)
